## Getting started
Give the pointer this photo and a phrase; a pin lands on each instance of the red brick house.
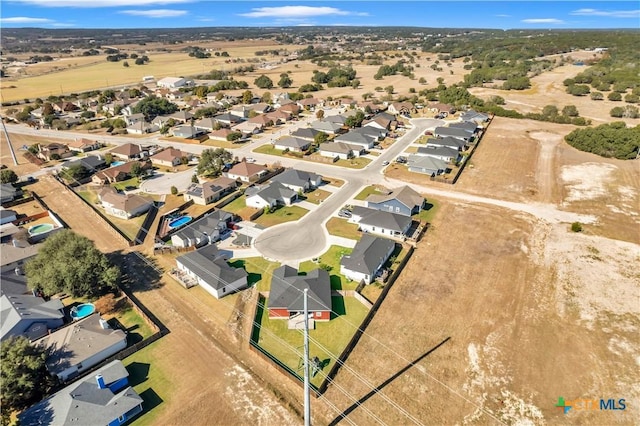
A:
(286, 297)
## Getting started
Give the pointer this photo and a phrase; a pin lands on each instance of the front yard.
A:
(281, 215)
(362, 195)
(317, 196)
(342, 228)
(327, 340)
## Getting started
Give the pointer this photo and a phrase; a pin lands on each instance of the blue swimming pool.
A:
(175, 223)
(82, 310)
(117, 163)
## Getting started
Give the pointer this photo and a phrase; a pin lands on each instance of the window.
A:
(397, 209)
(224, 289)
(122, 418)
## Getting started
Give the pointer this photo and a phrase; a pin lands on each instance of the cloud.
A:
(609, 14)
(543, 21)
(155, 13)
(25, 20)
(99, 3)
(503, 16)
(63, 25)
(298, 12)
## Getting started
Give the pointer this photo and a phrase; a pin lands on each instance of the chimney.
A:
(100, 382)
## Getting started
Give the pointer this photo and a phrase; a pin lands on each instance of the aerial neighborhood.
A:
(250, 215)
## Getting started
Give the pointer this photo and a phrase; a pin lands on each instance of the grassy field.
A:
(326, 342)
(259, 270)
(281, 215)
(362, 195)
(239, 207)
(342, 228)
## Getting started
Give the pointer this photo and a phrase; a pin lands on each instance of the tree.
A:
(8, 176)
(74, 173)
(576, 227)
(285, 80)
(152, 107)
(614, 96)
(320, 114)
(320, 138)
(570, 111)
(266, 97)
(422, 80)
(247, 96)
(174, 190)
(136, 170)
(70, 263)
(108, 158)
(263, 82)
(23, 373)
(194, 178)
(234, 136)
(212, 161)
(125, 64)
(597, 96)
(389, 89)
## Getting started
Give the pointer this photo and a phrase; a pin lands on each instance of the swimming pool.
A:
(40, 229)
(175, 223)
(82, 310)
(117, 163)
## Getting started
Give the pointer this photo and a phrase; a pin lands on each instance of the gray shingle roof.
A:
(273, 192)
(448, 141)
(355, 137)
(19, 312)
(437, 150)
(287, 289)
(404, 194)
(295, 177)
(210, 267)
(305, 133)
(205, 225)
(467, 125)
(368, 254)
(292, 142)
(455, 132)
(426, 162)
(84, 403)
(382, 219)
(90, 162)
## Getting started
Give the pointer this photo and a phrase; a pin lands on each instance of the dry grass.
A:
(342, 228)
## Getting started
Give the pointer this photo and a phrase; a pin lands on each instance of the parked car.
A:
(344, 213)
(428, 133)
(385, 163)
(250, 160)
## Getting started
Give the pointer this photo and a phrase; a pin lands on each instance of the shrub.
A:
(174, 190)
(576, 227)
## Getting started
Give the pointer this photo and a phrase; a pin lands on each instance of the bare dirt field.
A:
(17, 142)
(526, 325)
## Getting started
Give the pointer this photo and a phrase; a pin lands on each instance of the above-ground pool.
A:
(117, 163)
(40, 229)
(82, 310)
(180, 221)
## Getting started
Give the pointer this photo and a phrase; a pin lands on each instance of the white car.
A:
(385, 163)
(250, 160)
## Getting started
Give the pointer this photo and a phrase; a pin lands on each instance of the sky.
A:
(541, 14)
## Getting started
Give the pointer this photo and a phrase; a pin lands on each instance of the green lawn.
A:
(239, 207)
(148, 378)
(366, 192)
(281, 215)
(428, 213)
(326, 342)
(259, 270)
(137, 327)
(89, 196)
(332, 258)
(129, 227)
(125, 183)
(268, 149)
(342, 228)
(354, 163)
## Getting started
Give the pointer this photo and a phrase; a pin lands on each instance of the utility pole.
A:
(13, 154)
(307, 402)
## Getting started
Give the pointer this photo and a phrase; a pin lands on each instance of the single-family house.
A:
(340, 119)
(246, 172)
(278, 116)
(220, 134)
(29, 316)
(172, 82)
(367, 258)
(117, 173)
(208, 192)
(474, 116)
(440, 107)
(212, 272)
(449, 142)
(454, 132)
(426, 165)
(63, 107)
(403, 200)
(270, 195)
(247, 128)
(309, 103)
(262, 120)
(124, 206)
(83, 145)
(127, 151)
(7, 215)
(103, 398)
(169, 157)
(54, 150)
(329, 127)
(8, 193)
(340, 150)
(469, 126)
(298, 180)
(79, 346)
(371, 131)
(203, 231)
(161, 120)
(286, 296)
(207, 123)
(380, 222)
(227, 119)
(290, 108)
(400, 108)
(443, 153)
(181, 116)
(134, 118)
(306, 133)
(381, 123)
(292, 144)
(357, 138)
(141, 128)
(91, 162)
(187, 131)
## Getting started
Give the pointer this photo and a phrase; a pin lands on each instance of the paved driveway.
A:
(161, 183)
